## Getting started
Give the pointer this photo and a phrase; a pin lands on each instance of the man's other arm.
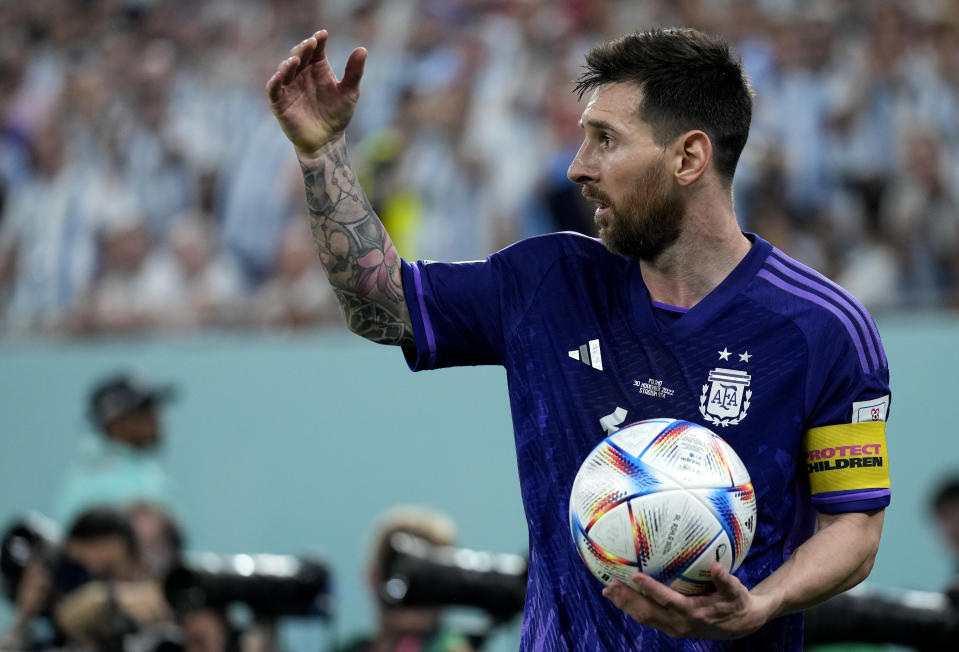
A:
(313, 108)
(837, 557)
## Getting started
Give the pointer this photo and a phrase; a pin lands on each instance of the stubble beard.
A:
(648, 220)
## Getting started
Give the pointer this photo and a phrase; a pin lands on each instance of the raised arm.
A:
(313, 109)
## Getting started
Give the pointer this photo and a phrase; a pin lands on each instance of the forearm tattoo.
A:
(355, 249)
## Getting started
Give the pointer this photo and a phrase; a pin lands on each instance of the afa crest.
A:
(725, 398)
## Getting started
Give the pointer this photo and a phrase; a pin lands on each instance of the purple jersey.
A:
(774, 351)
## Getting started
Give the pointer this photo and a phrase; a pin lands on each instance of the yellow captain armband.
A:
(847, 457)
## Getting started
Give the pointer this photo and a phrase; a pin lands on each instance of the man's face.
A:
(139, 428)
(622, 168)
(204, 631)
(105, 557)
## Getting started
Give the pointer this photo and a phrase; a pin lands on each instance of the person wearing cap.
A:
(118, 465)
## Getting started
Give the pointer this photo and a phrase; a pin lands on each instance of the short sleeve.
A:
(463, 313)
(457, 313)
(844, 444)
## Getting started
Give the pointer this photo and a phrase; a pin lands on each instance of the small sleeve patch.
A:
(847, 457)
(872, 410)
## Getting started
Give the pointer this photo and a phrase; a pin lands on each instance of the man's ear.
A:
(694, 151)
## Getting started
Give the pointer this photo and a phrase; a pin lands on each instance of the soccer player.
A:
(672, 312)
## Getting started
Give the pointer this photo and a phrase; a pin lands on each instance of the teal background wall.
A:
(295, 444)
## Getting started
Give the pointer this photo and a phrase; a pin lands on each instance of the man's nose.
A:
(581, 169)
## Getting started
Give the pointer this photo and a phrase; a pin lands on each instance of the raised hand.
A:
(311, 105)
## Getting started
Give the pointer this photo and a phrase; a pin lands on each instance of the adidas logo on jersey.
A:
(589, 354)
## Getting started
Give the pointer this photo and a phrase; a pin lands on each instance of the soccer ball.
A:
(666, 497)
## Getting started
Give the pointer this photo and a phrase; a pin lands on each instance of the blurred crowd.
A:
(145, 186)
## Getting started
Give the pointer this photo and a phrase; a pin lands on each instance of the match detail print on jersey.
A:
(847, 457)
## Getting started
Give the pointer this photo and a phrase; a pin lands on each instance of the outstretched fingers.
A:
(285, 73)
(354, 70)
(319, 52)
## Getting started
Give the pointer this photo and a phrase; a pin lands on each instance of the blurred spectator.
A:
(153, 158)
(873, 102)
(406, 629)
(47, 236)
(119, 464)
(117, 301)
(296, 294)
(185, 284)
(921, 211)
(254, 214)
(463, 145)
(870, 267)
(803, 85)
(190, 283)
(945, 511)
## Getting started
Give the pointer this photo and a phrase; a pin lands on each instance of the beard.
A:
(647, 221)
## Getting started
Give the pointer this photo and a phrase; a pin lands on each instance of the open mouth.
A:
(601, 216)
(601, 203)
(602, 209)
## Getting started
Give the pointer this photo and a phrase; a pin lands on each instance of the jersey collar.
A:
(711, 305)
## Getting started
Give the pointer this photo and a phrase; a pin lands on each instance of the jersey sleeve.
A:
(844, 443)
(464, 313)
(460, 311)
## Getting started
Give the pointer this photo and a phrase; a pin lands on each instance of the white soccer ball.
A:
(666, 497)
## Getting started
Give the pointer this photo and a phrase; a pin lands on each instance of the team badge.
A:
(725, 398)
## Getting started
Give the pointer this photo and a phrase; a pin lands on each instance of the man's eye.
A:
(606, 140)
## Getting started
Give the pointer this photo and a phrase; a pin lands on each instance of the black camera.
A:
(418, 573)
(29, 536)
(270, 585)
(920, 619)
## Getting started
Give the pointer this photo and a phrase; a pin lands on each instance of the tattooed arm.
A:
(314, 108)
(357, 253)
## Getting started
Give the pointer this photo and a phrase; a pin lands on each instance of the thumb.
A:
(727, 584)
(354, 70)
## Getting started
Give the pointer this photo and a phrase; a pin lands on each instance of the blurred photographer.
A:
(945, 512)
(101, 591)
(30, 595)
(399, 628)
(927, 621)
(159, 538)
(203, 589)
(93, 587)
(120, 463)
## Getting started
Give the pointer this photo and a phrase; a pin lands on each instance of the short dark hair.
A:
(103, 522)
(689, 80)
